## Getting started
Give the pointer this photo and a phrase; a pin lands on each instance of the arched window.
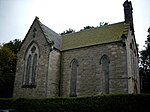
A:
(31, 63)
(73, 81)
(105, 67)
(28, 69)
(34, 66)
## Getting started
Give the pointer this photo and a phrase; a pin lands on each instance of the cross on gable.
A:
(34, 32)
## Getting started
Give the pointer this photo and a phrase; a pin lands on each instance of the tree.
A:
(6, 71)
(68, 31)
(145, 57)
(8, 59)
(14, 46)
(87, 27)
(145, 65)
(103, 24)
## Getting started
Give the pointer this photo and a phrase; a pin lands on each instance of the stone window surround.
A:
(32, 51)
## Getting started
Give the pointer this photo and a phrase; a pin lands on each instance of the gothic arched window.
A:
(28, 69)
(105, 68)
(31, 62)
(73, 81)
(34, 66)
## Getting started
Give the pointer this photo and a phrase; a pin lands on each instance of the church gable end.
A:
(33, 63)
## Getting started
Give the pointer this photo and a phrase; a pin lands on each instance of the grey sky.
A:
(16, 16)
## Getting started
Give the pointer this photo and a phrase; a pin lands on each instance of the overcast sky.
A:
(16, 16)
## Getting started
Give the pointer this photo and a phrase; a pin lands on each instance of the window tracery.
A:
(31, 63)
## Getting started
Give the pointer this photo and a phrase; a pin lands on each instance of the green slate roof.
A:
(94, 36)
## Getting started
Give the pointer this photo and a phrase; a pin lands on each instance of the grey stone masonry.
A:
(90, 77)
(41, 89)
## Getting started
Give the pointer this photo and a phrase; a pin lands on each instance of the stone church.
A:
(101, 60)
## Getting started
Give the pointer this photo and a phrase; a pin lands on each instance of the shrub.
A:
(100, 103)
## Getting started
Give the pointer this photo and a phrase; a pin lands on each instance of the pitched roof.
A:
(51, 36)
(94, 36)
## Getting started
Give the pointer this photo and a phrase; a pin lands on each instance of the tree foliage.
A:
(8, 59)
(85, 28)
(98, 103)
(103, 24)
(145, 64)
(68, 31)
(14, 45)
(145, 57)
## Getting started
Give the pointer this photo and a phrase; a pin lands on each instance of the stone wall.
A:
(53, 74)
(90, 78)
(132, 64)
(42, 69)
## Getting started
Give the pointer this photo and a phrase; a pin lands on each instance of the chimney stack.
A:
(128, 12)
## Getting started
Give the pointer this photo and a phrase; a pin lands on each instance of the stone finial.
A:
(36, 17)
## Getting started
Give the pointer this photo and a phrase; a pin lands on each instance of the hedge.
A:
(100, 103)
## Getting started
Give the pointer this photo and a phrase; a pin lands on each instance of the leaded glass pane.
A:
(28, 68)
(105, 68)
(73, 78)
(34, 69)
